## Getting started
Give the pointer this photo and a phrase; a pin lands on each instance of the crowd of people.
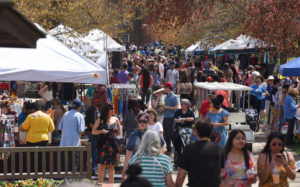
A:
(158, 125)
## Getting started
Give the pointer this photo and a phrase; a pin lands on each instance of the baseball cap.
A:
(211, 93)
(270, 77)
(168, 84)
(209, 79)
(77, 103)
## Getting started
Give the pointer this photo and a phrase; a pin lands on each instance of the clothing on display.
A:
(7, 133)
(100, 96)
(121, 93)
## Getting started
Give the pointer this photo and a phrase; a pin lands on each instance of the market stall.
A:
(92, 44)
(291, 68)
(51, 61)
(245, 51)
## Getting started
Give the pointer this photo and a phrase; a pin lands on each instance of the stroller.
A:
(252, 119)
(252, 115)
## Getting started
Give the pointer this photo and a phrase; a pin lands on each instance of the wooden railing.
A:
(46, 162)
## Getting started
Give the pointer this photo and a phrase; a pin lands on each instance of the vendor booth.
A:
(51, 61)
(245, 51)
(92, 44)
(291, 68)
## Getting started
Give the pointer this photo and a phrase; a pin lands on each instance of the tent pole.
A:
(106, 60)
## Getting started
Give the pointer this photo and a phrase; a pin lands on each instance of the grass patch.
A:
(295, 147)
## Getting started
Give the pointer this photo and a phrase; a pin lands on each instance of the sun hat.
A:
(159, 90)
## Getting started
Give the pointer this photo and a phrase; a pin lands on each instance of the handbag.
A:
(215, 137)
(185, 133)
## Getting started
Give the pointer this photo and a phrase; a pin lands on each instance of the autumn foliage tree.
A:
(276, 22)
(82, 16)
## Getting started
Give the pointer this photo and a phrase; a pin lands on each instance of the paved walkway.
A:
(259, 144)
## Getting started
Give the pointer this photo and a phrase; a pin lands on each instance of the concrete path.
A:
(259, 144)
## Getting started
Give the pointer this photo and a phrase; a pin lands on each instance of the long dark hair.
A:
(105, 111)
(216, 103)
(184, 78)
(133, 105)
(146, 79)
(267, 149)
(156, 65)
(228, 147)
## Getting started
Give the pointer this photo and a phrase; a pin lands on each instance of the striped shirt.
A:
(154, 168)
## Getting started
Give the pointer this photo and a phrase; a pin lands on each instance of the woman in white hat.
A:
(157, 102)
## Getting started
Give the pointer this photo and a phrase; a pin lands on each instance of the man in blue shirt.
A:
(289, 111)
(72, 125)
(170, 106)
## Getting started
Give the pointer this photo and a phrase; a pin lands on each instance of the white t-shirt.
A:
(157, 127)
(161, 69)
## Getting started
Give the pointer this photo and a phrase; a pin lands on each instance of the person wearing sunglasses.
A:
(273, 155)
(135, 139)
(108, 128)
(259, 92)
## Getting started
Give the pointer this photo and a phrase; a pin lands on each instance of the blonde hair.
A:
(293, 92)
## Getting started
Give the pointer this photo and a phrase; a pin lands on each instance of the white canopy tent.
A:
(240, 43)
(92, 45)
(192, 48)
(226, 86)
(51, 61)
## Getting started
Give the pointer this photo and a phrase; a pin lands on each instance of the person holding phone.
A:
(239, 163)
(274, 155)
(108, 127)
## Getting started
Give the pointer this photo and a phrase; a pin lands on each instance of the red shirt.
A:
(114, 80)
(225, 96)
(204, 107)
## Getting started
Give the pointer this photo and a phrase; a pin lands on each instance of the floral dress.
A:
(107, 147)
(283, 181)
(236, 172)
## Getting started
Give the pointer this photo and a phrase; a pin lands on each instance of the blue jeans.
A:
(94, 155)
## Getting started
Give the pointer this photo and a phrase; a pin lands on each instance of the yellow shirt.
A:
(38, 125)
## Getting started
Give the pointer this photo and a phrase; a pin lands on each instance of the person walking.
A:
(289, 110)
(108, 128)
(136, 138)
(172, 76)
(72, 125)
(219, 118)
(153, 123)
(239, 162)
(184, 119)
(122, 75)
(274, 156)
(145, 85)
(202, 161)
(185, 88)
(129, 121)
(156, 103)
(171, 105)
(156, 167)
